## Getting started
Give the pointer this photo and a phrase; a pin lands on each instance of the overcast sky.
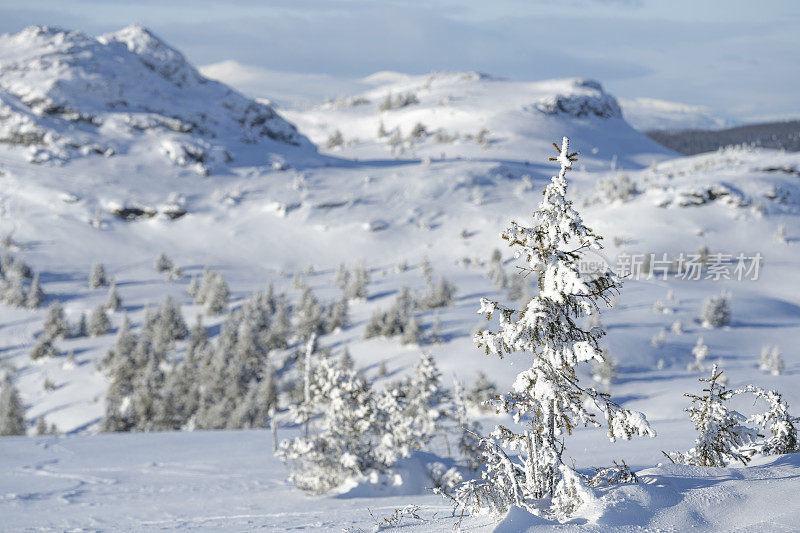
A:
(738, 57)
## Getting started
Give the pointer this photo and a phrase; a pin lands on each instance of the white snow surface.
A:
(277, 206)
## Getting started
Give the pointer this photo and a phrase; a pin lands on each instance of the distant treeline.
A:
(780, 135)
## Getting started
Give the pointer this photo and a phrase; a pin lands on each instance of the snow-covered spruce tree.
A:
(547, 400)
(35, 295)
(12, 412)
(97, 277)
(481, 392)
(55, 323)
(44, 347)
(439, 295)
(357, 285)
(171, 320)
(716, 311)
(346, 443)
(213, 292)
(720, 431)
(335, 140)
(428, 401)
(342, 277)
(337, 315)
(469, 430)
(114, 301)
(781, 426)
(163, 263)
(13, 292)
(99, 324)
(497, 272)
(308, 316)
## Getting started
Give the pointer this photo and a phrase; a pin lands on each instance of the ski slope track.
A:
(114, 149)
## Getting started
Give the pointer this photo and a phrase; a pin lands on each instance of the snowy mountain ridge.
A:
(65, 94)
(477, 116)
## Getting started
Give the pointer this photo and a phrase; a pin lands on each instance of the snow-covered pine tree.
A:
(44, 347)
(342, 277)
(357, 286)
(700, 353)
(716, 311)
(170, 319)
(12, 412)
(55, 323)
(194, 287)
(114, 301)
(482, 392)
(13, 293)
(337, 315)
(516, 288)
(548, 401)
(162, 263)
(198, 337)
(41, 426)
(308, 316)
(781, 426)
(720, 431)
(335, 139)
(97, 277)
(411, 331)
(468, 430)
(439, 295)
(345, 444)
(428, 401)
(99, 324)
(497, 272)
(214, 292)
(35, 295)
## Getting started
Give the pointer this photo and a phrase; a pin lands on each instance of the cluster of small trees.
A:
(725, 435)
(211, 291)
(400, 318)
(358, 430)
(19, 285)
(398, 101)
(227, 384)
(163, 263)
(56, 326)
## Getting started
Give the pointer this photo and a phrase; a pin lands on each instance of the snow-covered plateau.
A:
(114, 150)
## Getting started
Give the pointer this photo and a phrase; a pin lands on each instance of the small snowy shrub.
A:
(97, 277)
(721, 432)
(716, 311)
(771, 361)
(700, 353)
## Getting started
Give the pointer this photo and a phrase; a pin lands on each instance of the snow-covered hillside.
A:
(448, 115)
(274, 208)
(64, 94)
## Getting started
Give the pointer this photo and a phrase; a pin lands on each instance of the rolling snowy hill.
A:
(116, 150)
